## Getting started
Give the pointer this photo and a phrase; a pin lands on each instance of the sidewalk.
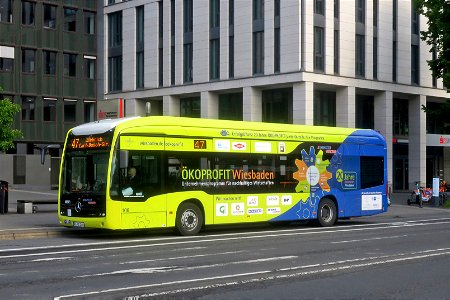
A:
(43, 223)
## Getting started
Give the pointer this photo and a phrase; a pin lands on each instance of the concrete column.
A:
(166, 43)
(269, 37)
(303, 103)
(224, 39)
(171, 106)
(200, 41)
(252, 106)
(347, 38)
(209, 105)
(447, 164)
(417, 140)
(385, 40)
(243, 38)
(290, 36)
(345, 107)
(404, 42)
(151, 24)
(383, 123)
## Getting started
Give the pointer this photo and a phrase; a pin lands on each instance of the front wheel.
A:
(189, 219)
(327, 213)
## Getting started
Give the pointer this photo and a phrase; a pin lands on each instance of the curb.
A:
(29, 234)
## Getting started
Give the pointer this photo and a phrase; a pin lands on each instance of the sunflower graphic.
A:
(312, 173)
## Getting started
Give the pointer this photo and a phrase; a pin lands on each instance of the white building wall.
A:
(243, 39)
(179, 42)
(166, 43)
(347, 38)
(151, 39)
(269, 36)
(308, 31)
(426, 78)
(385, 40)
(201, 42)
(224, 39)
(383, 104)
(129, 48)
(329, 38)
(290, 36)
(345, 107)
(303, 103)
(404, 42)
(417, 141)
(369, 39)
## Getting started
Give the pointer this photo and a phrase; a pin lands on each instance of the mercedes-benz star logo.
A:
(78, 206)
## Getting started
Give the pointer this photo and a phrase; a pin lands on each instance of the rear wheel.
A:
(327, 213)
(189, 219)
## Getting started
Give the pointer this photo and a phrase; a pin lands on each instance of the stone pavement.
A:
(44, 223)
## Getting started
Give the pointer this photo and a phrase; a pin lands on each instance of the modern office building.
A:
(48, 65)
(336, 63)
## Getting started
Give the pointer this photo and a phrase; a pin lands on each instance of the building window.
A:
(375, 58)
(336, 9)
(28, 60)
(188, 57)
(231, 57)
(414, 64)
(70, 111)
(361, 11)
(140, 47)
(214, 13)
(115, 29)
(394, 15)
(258, 10)
(70, 64)
(28, 106)
(319, 7)
(190, 107)
(365, 116)
(277, 106)
(414, 19)
(49, 109)
(360, 56)
(276, 50)
(6, 64)
(324, 108)
(49, 16)
(375, 13)
(434, 78)
(140, 69)
(214, 59)
(336, 51)
(28, 13)
(70, 19)
(89, 111)
(89, 66)
(115, 73)
(231, 107)
(394, 61)
(6, 14)
(188, 16)
(319, 48)
(89, 22)
(400, 117)
(160, 44)
(258, 53)
(49, 58)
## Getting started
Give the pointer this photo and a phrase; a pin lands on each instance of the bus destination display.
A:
(90, 142)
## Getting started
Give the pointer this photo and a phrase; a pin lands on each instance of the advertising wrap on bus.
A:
(168, 172)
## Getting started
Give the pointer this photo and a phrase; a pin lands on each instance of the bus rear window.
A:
(372, 171)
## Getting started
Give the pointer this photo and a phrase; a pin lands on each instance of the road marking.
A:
(371, 239)
(49, 259)
(221, 238)
(33, 192)
(180, 257)
(325, 268)
(180, 268)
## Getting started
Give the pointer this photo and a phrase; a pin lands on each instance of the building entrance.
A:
(401, 174)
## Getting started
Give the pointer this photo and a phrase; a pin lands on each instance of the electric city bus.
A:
(186, 173)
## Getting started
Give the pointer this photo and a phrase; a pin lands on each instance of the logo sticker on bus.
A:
(252, 201)
(223, 145)
(263, 147)
(286, 200)
(254, 211)
(221, 209)
(272, 201)
(273, 210)
(239, 146)
(237, 209)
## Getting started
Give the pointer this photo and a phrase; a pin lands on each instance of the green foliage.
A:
(437, 36)
(7, 132)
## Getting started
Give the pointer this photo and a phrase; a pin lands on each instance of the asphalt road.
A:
(404, 254)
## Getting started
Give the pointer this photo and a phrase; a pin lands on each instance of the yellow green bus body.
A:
(207, 163)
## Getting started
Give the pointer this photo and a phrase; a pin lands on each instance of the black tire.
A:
(327, 213)
(189, 219)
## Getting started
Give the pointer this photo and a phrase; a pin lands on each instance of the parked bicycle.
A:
(420, 195)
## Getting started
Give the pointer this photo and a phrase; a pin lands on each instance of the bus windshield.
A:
(85, 171)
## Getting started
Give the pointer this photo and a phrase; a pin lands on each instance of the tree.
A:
(7, 132)
(437, 36)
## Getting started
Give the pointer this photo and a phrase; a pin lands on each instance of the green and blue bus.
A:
(191, 173)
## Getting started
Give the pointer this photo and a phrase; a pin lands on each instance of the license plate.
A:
(78, 224)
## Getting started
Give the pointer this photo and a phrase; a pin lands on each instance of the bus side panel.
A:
(198, 197)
